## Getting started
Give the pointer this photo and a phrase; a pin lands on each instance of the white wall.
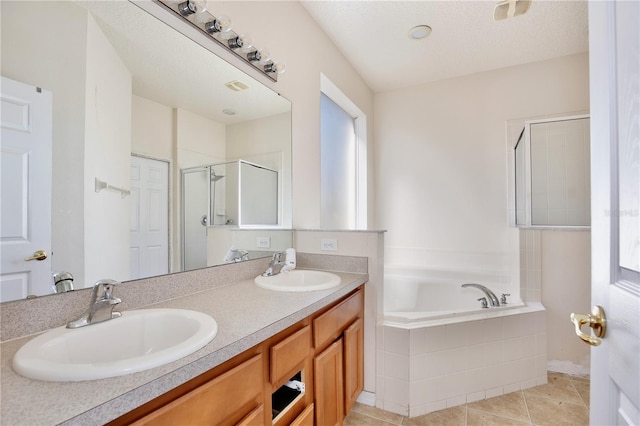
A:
(107, 157)
(566, 288)
(152, 132)
(441, 170)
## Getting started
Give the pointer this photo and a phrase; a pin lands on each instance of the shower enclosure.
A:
(236, 193)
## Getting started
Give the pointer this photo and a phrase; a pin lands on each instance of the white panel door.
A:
(149, 217)
(614, 43)
(25, 156)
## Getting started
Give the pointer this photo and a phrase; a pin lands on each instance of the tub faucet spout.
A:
(493, 299)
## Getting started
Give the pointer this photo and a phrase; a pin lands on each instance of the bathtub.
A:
(412, 301)
(438, 348)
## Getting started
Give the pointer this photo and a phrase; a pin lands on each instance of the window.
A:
(342, 161)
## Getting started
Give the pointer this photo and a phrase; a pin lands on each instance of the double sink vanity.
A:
(266, 350)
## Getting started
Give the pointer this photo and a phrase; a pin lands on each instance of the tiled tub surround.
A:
(246, 315)
(428, 365)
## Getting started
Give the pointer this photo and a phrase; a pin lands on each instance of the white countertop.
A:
(246, 315)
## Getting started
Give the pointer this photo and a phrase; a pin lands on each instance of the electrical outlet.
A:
(329, 244)
(263, 242)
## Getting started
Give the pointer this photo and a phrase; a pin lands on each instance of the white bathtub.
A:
(439, 348)
(415, 301)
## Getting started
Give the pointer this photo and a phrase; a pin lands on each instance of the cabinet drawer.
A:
(288, 354)
(332, 323)
(223, 400)
(254, 418)
(305, 418)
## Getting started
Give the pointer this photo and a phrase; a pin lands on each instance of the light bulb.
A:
(243, 41)
(221, 24)
(276, 67)
(190, 7)
(260, 55)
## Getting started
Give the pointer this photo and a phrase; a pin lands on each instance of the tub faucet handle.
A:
(484, 302)
(503, 298)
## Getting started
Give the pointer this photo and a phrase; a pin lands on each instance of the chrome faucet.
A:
(101, 305)
(493, 299)
(277, 262)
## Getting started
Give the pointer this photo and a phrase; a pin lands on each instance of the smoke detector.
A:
(510, 8)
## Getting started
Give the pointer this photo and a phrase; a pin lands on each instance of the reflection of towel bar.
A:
(100, 185)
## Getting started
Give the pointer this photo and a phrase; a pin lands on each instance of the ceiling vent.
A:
(509, 8)
(236, 86)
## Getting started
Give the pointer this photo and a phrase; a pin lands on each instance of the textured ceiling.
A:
(373, 36)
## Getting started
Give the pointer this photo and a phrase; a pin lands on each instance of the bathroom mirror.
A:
(551, 173)
(128, 90)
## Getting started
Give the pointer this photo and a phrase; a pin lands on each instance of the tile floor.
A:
(563, 401)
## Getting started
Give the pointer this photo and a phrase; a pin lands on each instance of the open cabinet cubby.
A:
(286, 395)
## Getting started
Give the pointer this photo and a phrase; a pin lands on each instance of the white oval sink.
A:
(299, 280)
(137, 341)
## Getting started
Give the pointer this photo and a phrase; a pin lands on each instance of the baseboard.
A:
(367, 398)
(568, 367)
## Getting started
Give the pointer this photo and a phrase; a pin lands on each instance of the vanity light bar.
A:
(219, 29)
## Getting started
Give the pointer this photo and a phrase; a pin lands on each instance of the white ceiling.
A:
(373, 36)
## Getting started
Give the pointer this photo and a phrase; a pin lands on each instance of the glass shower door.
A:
(195, 217)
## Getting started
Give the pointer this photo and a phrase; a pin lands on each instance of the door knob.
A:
(38, 255)
(596, 320)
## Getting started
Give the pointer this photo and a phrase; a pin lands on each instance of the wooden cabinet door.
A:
(329, 385)
(353, 363)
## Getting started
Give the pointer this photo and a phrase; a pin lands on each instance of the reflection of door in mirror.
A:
(149, 242)
(26, 114)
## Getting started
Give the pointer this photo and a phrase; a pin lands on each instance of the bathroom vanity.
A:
(313, 369)
(265, 340)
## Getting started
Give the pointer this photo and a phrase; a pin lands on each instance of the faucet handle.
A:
(503, 298)
(484, 302)
(103, 289)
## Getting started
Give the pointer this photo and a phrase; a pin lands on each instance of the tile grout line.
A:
(526, 406)
(466, 414)
(579, 394)
(502, 416)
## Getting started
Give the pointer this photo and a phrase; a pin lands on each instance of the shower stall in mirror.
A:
(232, 194)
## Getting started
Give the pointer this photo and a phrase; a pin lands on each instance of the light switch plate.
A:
(329, 244)
(263, 242)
